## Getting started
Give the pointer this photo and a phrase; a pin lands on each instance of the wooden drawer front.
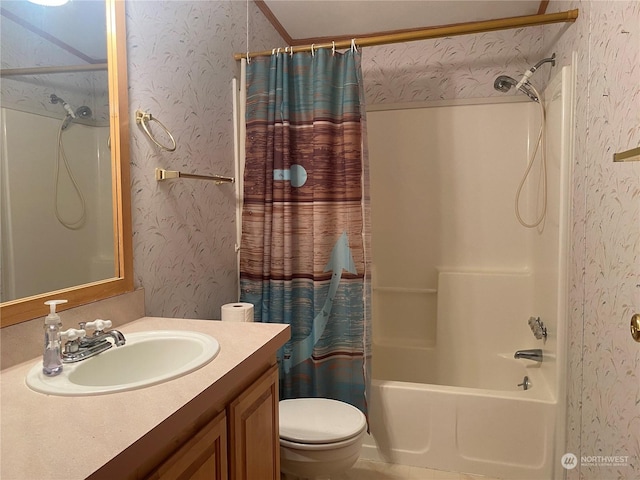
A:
(203, 457)
(254, 434)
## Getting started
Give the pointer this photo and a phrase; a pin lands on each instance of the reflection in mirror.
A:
(57, 228)
(65, 220)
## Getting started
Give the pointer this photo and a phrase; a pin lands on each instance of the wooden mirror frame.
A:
(23, 309)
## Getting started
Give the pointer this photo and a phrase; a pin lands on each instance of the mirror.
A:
(66, 215)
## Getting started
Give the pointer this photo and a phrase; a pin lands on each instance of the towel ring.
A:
(142, 118)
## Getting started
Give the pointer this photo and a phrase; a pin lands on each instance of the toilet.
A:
(319, 437)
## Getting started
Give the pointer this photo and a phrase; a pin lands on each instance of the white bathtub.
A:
(456, 405)
(502, 433)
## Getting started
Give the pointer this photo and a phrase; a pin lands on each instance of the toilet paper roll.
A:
(237, 312)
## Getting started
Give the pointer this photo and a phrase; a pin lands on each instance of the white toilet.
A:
(319, 437)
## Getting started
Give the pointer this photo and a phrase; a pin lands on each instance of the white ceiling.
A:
(78, 24)
(326, 18)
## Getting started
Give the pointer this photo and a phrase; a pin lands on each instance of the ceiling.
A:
(78, 27)
(310, 19)
(301, 20)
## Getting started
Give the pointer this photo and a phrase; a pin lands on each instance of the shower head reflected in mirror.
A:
(82, 112)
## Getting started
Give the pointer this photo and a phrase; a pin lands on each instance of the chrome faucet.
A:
(80, 347)
(101, 336)
(534, 354)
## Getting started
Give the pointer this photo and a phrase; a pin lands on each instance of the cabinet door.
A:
(254, 435)
(203, 457)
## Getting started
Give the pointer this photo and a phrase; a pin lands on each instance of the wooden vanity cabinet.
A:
(254, 437)
(203, 457)
(241, 443)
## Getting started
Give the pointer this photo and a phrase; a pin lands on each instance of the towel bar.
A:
(162, 174)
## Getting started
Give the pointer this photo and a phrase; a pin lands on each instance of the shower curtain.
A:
(304, 257)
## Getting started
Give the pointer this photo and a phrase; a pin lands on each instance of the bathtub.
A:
(500, 433)
(456, 405)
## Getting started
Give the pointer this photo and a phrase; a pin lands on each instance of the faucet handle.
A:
(98, 325)
(73, 334)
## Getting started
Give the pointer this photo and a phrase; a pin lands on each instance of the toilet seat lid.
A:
(319, 420)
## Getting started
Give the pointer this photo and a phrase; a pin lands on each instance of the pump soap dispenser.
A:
(52, 357)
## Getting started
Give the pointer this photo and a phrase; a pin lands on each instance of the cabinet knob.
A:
(635, 327)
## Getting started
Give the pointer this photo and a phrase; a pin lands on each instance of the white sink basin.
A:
(148, 358)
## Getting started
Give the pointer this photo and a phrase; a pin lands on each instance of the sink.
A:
(148, 358)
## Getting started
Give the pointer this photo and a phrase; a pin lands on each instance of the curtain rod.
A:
(6, 72)
(434, 32)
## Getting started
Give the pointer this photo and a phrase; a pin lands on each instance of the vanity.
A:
(217, 422)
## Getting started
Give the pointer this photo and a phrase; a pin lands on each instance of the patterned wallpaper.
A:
(180, 56)
(449, 68)
(604, 363)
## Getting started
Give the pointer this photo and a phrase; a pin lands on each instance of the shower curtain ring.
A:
(313, 53)
(333, 49)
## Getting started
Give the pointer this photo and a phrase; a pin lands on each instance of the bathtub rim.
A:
(520, 395)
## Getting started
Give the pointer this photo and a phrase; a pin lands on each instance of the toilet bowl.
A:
(319, 437)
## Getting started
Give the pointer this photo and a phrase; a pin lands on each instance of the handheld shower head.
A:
(65, 123)
(504, 83)
(82, 112)
(56, 99)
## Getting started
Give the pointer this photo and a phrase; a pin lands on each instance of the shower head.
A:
(82, 112)
(504, 83)
(56, 99)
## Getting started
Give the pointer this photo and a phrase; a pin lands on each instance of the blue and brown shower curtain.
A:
(305, 236)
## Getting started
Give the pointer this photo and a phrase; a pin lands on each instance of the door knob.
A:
(635, 327)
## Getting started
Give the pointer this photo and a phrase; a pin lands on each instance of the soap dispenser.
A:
(52, 357)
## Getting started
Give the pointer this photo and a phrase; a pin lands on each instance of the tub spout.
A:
(533, 354)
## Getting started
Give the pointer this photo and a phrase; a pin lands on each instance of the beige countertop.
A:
(53, 437)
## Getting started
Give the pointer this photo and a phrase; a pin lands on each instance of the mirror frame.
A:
(24, 309)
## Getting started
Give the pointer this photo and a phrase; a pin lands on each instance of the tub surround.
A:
(464, 313)
(125, 435)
